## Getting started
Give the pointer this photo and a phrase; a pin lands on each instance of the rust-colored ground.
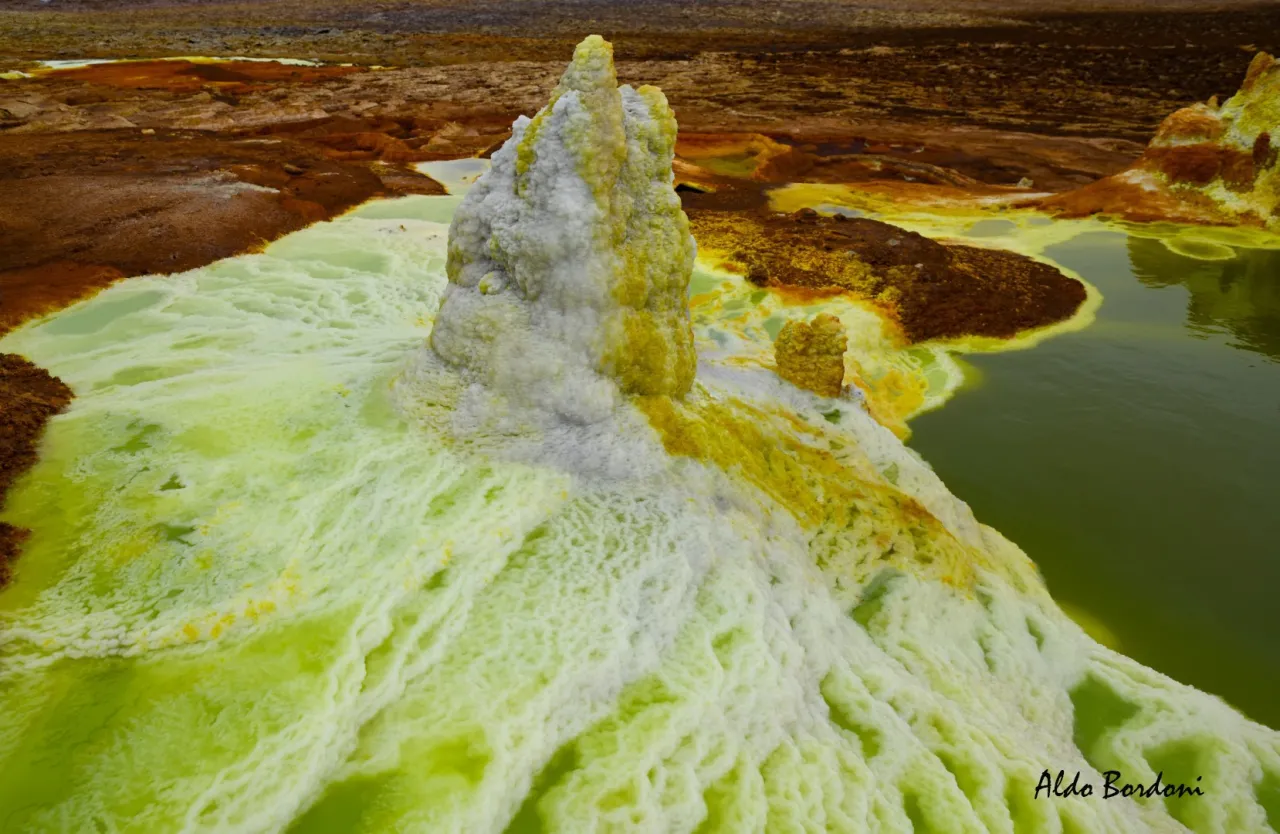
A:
(215, 159)
(230, 78)
(933, 291)
(29, 396)
(970, 97)
(1117, 197)
(28, 292)
(968, 158)
(81, 209)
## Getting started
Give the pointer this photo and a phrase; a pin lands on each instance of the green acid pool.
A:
(1137, 461)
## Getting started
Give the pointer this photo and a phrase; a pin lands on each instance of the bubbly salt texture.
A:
(253, 589)
(267, 590)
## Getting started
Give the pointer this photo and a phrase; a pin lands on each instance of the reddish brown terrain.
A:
(966, 95)
(81, 208)
(931, 290)
(29, 396)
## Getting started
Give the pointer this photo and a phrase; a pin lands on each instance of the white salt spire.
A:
(570, 259)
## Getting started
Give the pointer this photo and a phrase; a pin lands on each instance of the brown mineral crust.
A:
(932, 290)
(876, 153)
(1190, 123)
(397, 139)
(226, 77)
(29, 396)
(701, 191)
(368, 145)
(1120, 197)
(810, 355)
(1238, 171)
(689, 177)
(30, 292)
(1002, 294)
(1198, 164)
(80, 210)
(1264, 153)
(742, 155)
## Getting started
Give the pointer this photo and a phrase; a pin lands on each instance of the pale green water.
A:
(1138, 461)
(262, 595)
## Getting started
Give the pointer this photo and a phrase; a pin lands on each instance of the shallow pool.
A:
(1137, 461)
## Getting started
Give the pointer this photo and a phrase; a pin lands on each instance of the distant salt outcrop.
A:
(570, 259)
(1207, 163)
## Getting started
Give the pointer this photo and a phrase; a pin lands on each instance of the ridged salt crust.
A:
(258, 596)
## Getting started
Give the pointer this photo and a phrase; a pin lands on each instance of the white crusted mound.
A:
(569, 260)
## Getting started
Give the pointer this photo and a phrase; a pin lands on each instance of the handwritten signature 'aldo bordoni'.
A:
(1112, 787)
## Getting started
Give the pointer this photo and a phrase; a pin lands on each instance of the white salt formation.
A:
(569, 260)
(256, 598)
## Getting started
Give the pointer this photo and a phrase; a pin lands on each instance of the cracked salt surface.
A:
(253, 588)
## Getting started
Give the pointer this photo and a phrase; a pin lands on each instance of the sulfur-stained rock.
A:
(1261, 63)
(1205, 164)
(811, 355)
(570, 258)
(1197, 123)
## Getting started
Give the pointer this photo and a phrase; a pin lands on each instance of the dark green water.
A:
(1138, 461)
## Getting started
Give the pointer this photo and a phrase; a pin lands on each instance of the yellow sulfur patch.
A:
(850, 507)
